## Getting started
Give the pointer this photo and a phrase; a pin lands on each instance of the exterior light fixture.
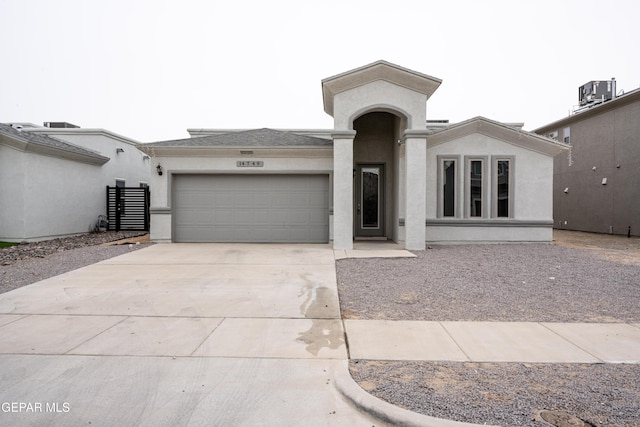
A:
(119, 150)
(159, 170)
(145, 157)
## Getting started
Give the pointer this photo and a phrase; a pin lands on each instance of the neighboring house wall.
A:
(605, 142)
(53, 180)
(47, 187)
(60, 196)
(126, 162)
(130, 165)
(12, 194)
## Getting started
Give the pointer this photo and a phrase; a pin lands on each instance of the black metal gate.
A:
(128, 208)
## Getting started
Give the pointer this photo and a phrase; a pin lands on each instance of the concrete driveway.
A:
(179, 334)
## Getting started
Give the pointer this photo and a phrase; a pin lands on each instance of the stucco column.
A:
(416, 188)
(343, 189)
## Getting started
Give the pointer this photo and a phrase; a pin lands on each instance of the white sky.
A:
(150, 69)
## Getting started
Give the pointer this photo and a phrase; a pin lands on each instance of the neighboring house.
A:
(53, 181)
(379, 174)
(597, 185)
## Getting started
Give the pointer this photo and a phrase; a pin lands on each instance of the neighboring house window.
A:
(553, 135)
(503, 186)
(567, 135)
(476, 192)
(448, 186)
(120, 182)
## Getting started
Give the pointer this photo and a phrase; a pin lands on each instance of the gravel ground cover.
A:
(28, 263)
(580, 278)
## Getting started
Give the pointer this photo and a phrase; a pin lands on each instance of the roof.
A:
(603, 107)
(509, 134)
(43, 144)
(379, 70)
(251, 138)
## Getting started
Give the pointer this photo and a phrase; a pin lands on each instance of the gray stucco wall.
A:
(605, 145)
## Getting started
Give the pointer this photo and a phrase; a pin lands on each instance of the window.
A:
(120, 182)
(503, 187)
(144, 185)
(448, 186)
(476, 193)
(567, 135)
(484, 187)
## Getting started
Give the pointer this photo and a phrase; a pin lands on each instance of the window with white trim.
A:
(485, 187)
(503, 188)
(476, 189)
(448, 186)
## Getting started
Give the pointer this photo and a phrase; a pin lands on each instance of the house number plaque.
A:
(249, 163)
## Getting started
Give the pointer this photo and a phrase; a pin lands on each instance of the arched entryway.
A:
(375, 155)
(379, 114)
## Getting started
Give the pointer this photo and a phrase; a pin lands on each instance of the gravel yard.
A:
(580, 278)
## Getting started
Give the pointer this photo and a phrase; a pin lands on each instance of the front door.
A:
(369, 200)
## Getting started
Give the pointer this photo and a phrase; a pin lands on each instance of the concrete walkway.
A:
(206, 334)
(494, 341)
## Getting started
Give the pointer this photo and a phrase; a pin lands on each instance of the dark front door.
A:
(369, 200)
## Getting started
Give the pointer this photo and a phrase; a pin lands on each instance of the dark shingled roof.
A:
(44, 140)
(250, 138)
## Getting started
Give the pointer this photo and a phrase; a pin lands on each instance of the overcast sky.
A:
(150, 69)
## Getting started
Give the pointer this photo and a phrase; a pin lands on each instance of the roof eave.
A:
(237, 151)
(513, 136)
(28, 146)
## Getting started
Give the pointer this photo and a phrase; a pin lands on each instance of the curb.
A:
(385, 411)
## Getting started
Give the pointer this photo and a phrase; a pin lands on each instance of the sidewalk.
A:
(527, 342)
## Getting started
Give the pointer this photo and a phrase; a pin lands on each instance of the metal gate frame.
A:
(128, 208)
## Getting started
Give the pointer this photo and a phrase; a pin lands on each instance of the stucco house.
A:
(53, 180)
(382, 173)
(597, 186)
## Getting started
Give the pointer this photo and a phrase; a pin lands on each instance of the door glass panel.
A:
(370, 197)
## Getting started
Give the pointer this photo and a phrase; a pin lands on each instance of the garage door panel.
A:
(251, 208)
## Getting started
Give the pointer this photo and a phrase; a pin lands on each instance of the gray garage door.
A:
(251, 208)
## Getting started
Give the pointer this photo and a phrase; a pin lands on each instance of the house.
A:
(597, 184)
(380, 174)
(53, 179)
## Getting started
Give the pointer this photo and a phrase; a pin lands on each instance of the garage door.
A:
(251, 208)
